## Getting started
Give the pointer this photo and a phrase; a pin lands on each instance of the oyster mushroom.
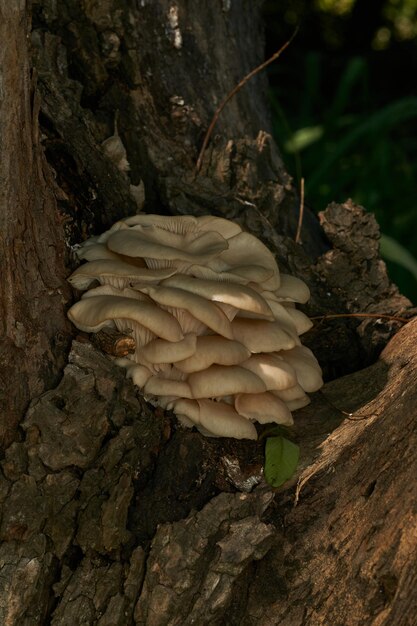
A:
(215, 323)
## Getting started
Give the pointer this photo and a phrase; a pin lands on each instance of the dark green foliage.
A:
(345, 117)
(370, 155)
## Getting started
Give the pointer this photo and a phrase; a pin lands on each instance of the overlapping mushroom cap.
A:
(214, 321)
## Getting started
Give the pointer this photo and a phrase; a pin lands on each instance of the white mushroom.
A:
(212, 349)
(263, 408)
(262, 335)
(174, 223)
(247, 248)
(95, 252)
(91, 314)
(162, 351)
(220, 380)
(239, 296)
(225, 227)
(156, 386)
(306, 367)
(215, 418)
(301, 321)
(198, 307)
(275, 372)
(138, 373)
(290, 393)
(159, 244)
(298, 403)
(215, 324)
(115, 272)
(293, 289)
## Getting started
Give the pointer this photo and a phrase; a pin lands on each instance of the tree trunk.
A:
(111, 514)
(34, 332)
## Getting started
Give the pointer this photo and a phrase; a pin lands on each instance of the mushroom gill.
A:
(215, 323)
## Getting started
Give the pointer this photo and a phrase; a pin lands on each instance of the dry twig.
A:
(234, 91)
(113, 342)
(370, 315)
(301, 212)
(353, 417)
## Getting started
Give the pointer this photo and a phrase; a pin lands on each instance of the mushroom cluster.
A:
(214, 322)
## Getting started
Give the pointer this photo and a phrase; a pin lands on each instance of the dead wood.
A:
(83, 493)
(346, 554)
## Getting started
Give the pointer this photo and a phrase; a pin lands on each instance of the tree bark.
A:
(111, 514)
(34, 332)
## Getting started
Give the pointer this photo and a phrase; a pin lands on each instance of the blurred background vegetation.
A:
(344, 103)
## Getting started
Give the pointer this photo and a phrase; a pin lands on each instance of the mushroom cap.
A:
(219, 380)
(91, 314)
(110, 290)
(298, 403)
(239, 296)
(156, 386)
(206, 273)
(246, 248)
(157, 243)
(204, 311)
(262, 335)
(100, 251)
(252, 273)
(215, 418)
(306, 367)
(241, 274)
(282, 315)
(213, 349)
(173, 223)
(290, 393)
(162, 351)
(186, 223)
(114, 228)
(188, 409)
(301, 321)
(230, 311)
(293, 289)
(263, 408)
(139, 375)
(305, 353)
(275, 372)
(115, 272)
(95, 252)
(189, 324)
(225, 227)
(222, 420)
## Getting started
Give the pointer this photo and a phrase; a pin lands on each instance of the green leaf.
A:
(353, 73)
(303, 137)
(281, 459)
(381, 122)
(392, 250)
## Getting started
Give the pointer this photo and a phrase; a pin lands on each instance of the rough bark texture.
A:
(346, 554)
(33, 329)
(110, 513)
